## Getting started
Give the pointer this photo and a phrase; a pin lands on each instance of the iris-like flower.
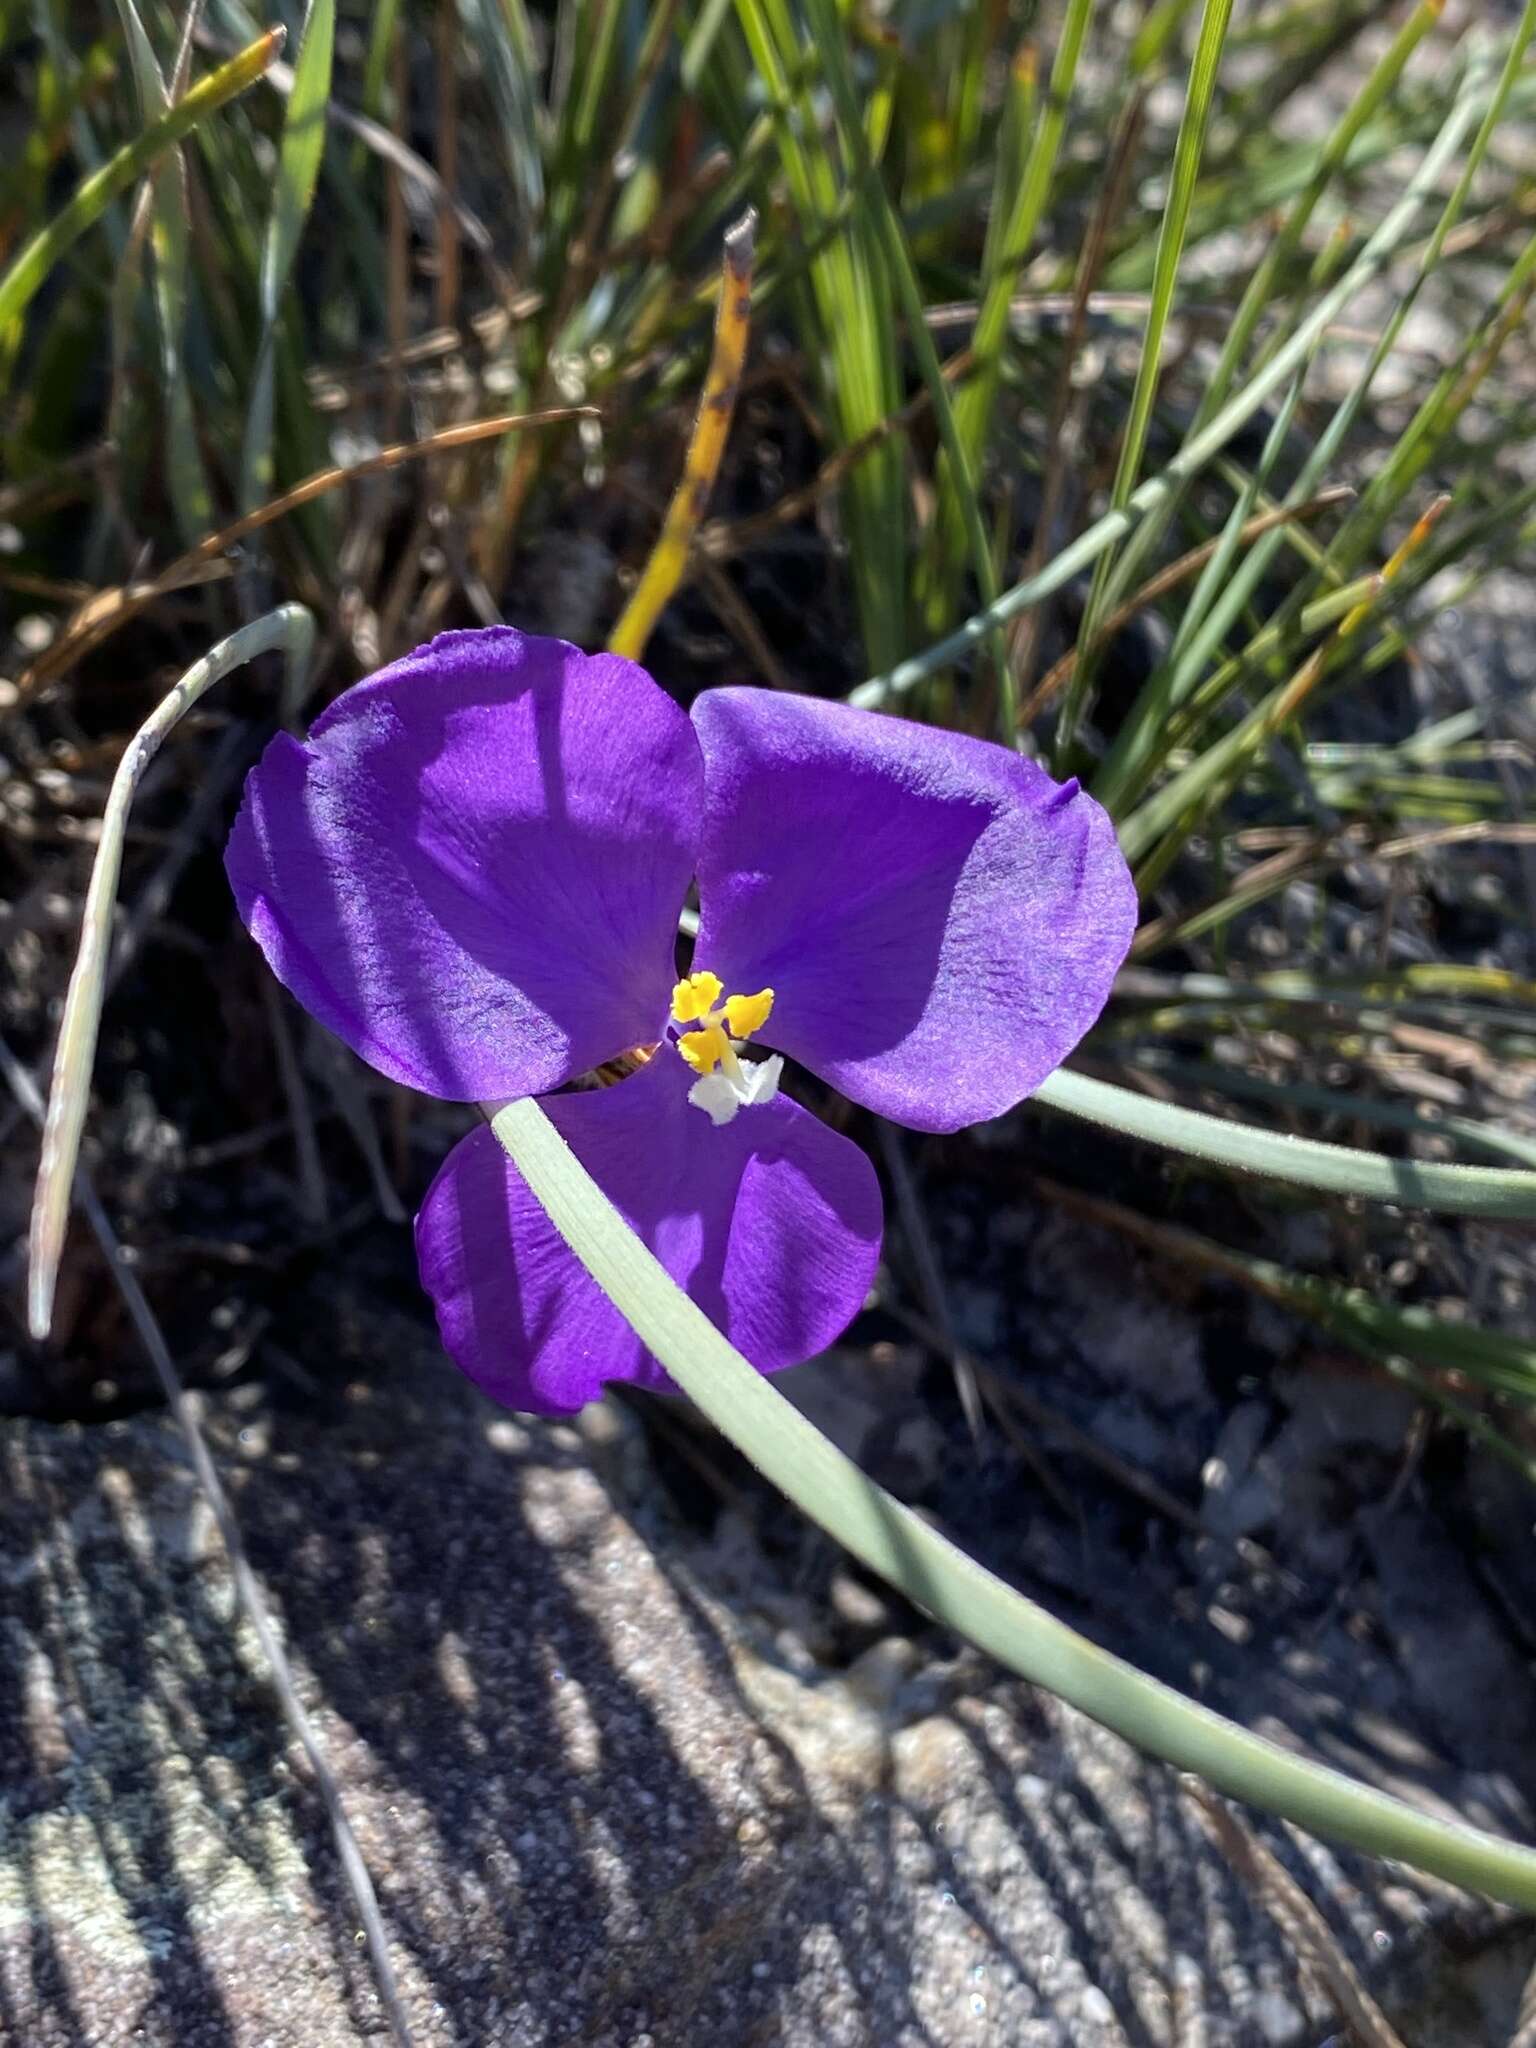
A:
(472, 873)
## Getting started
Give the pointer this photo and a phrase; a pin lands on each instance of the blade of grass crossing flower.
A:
(944, 1582)
(1188, 149)
(1451, 1190)
(298, 171)
(1158, 490)
(36, 259)
(669, 558)
(290, 628)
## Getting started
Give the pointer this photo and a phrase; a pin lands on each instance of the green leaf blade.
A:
(943, 1581)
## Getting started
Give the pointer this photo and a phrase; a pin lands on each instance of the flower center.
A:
(711, 1048)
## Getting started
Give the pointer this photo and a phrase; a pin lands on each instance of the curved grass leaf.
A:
(289, 627)
(944, 1582)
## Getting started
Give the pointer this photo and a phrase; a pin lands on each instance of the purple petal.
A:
(472, 870)
(771, 1223)
(939, 920)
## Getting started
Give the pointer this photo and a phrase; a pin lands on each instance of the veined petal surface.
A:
(770, 1222)
(471, 871)
(939, 920)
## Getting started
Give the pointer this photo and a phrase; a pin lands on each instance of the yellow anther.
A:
(695, 997)
(718, 1027)
(704, 1050)
(746, 1014)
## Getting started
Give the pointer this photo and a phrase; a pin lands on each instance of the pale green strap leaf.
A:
(289, 627)
(943, 1581)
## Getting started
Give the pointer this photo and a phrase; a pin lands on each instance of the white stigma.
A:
(723, 1092)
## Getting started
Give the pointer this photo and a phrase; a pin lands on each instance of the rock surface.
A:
(602, 1804)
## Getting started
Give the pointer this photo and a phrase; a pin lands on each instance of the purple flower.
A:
(472, 873)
